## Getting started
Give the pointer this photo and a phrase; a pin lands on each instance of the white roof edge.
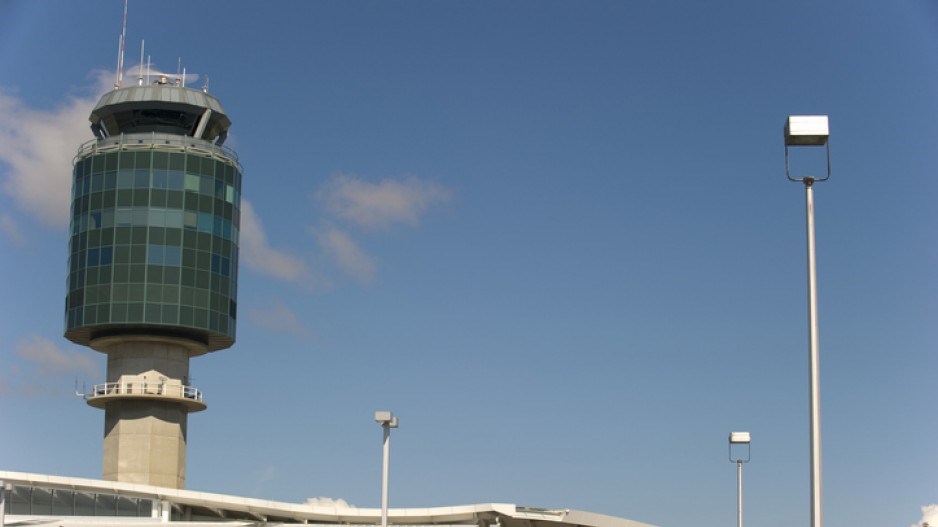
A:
(323, 513)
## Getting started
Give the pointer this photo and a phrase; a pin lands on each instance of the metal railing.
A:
(146, 388)
(155, 141)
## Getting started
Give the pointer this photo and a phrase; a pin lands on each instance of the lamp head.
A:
(806, 130)
(387, 419)
(737, 438)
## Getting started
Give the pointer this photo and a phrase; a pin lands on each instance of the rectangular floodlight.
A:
(806, 130)
(739, 437)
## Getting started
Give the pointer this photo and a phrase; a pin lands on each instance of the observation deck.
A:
(187, 396)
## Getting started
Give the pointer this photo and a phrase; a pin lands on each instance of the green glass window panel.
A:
(96, 200)
(204, 222)
(125, 179)
(160, 160)
(189, 257)
(125, 159)
(125, 198)
(135, 292)
(157, 198)
(110, 180)
(104, 272)
(186, 295)
(229, 193)
(202, 279)
(110, 162)
(191, 201)
(121, 273)
(104, 313)
(119, 312)
(142, 178)
(134, 312)
(174, 236)
(200, 318)
(141, 197)
(203, 260)
(223, 324)
(155, 274)
(121, 254)
(154, 293)
(188, 277)
(97, 183)
(205, 242)
(200, 298)
(119, 293)
(157, 234)
(174, 199)
(174, 219)
(139, 235)
(171, 293)
(206, 186)
(94, 239)
(190, 219)
(152, 313)
(138, 254)
(205, 204)
(177, 162)
(91, 316)
(142, 159)
(192, 182)
(138, 273)
(186, 315)
(121, 235)
(170, 314)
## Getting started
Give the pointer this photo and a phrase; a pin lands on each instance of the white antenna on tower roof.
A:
(140, 72)
(120, 53)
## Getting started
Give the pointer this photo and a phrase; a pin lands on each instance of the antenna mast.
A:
(120, 53)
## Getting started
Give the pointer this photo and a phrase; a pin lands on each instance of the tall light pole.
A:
(811, 130)
(387, 420)
(739, 438)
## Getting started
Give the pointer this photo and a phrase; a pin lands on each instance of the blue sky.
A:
(555, 238)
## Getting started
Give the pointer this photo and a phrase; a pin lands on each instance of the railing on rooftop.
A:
(158, 141)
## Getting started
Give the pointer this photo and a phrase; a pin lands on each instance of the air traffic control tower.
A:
(153, 266)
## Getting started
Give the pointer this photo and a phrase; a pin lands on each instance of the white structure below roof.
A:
(188, 507)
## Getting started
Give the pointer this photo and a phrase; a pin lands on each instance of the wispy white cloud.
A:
(279, 317)
(257, 254)
(347, 254)
(36, 151)
(10, 229)
(50, 359)
(381, 204)
(929, 516)
(41, 368)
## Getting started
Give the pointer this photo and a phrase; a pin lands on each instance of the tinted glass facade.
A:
(154, 243)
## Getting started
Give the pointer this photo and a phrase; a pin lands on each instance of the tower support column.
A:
(146, 402)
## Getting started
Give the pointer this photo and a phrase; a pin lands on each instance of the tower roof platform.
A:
(188, 507)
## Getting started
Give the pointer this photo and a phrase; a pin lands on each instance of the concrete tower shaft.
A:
(153, 267)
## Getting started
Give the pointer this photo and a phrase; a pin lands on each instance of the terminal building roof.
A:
(149, 505)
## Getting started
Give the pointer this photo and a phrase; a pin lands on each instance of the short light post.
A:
(739, 439)
(811, 130)
(387, 420)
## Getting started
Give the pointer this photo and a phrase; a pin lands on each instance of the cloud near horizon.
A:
(43, 367)
(382, 204)
(929, 516)
(279, 317)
